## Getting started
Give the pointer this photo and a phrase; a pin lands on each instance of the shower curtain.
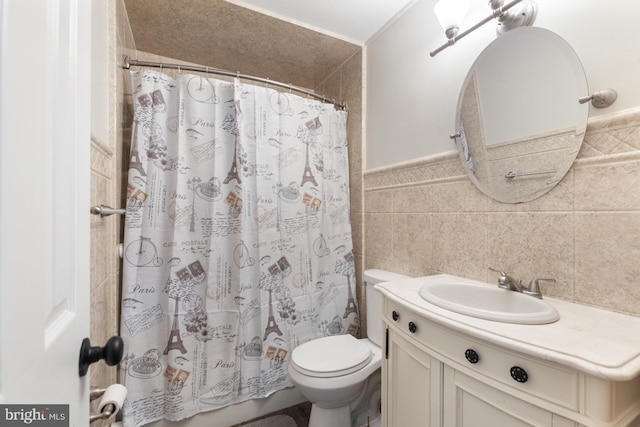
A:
(237, 242)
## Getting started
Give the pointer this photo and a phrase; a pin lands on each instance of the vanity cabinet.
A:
(468, 400)
(434, 375)
(413, 381)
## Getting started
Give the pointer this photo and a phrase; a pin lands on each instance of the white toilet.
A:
(331, 371)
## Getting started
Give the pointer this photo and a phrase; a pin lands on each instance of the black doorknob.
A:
(472, 356)
(413, 327)
(395, 315)
(519, 374)
(111, 353)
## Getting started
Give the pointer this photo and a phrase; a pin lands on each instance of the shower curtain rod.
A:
(128, 63)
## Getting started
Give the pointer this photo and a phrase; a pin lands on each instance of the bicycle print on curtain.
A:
(237, 242)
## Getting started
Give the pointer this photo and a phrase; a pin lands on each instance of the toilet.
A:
(333, 372)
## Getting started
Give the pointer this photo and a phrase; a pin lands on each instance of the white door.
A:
(44, 202)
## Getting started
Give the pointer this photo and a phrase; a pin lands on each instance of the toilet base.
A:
(336, 417)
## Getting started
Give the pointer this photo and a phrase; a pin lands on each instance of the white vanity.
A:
(447, 369)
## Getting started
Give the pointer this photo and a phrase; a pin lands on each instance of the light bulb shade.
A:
(450, 13)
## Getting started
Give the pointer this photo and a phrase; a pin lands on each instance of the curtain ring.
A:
(179, 70)
(289, 88)
(206, 70)
(266, 83)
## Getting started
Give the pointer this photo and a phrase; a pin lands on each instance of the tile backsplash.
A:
(425, 217)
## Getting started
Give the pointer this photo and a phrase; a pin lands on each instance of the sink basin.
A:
(490, 303)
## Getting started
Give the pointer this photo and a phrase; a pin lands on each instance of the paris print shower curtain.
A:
(237, 242)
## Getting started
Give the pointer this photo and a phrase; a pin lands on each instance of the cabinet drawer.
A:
(550, 382)
(415, 327)
(547, 381)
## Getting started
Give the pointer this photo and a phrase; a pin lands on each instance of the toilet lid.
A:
(331, 356)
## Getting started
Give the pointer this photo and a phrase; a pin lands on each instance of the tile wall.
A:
(425, 217)
(106, 188)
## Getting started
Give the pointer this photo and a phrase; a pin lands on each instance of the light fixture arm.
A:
(497, 13)
(497, 9)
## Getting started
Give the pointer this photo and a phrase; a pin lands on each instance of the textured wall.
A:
(225, 35)
(426, 217)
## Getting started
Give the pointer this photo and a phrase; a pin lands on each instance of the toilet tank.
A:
(374, 301)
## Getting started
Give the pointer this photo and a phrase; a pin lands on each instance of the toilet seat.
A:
(331, 356)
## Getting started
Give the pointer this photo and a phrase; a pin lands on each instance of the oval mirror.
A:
(519, 123)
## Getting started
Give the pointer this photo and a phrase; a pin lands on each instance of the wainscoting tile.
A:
(458, 196)
(101, 231)
(584, 232)
(412, 240)
(413, 199)
(357, 232)
(560, 198)
(380, 201)
(378, 235)
(460, 244)
(612, 186)
(356, 193)
(534, 245)
(607, 254)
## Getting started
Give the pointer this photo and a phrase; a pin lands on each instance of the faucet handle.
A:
(534, 287)
(502, 273)
(502, 280)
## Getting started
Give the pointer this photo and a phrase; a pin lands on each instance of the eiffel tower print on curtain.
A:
(134, 159)
(175, 340)
(272, 326)
(233, 172)
(307, 175)
(314, 127)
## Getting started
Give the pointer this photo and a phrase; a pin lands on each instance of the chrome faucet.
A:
(534, 288)
(508, 282)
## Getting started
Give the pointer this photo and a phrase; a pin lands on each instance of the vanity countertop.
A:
(598, 342)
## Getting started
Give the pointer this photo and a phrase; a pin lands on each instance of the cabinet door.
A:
(468, 402)
(411, 385)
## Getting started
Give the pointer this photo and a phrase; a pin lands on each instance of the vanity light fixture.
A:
(450, 14)
(517, 13)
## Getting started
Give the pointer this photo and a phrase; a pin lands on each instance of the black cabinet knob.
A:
(471, 356)
(519, 374)
(111, 353)
(413, 327)
(395, 315)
